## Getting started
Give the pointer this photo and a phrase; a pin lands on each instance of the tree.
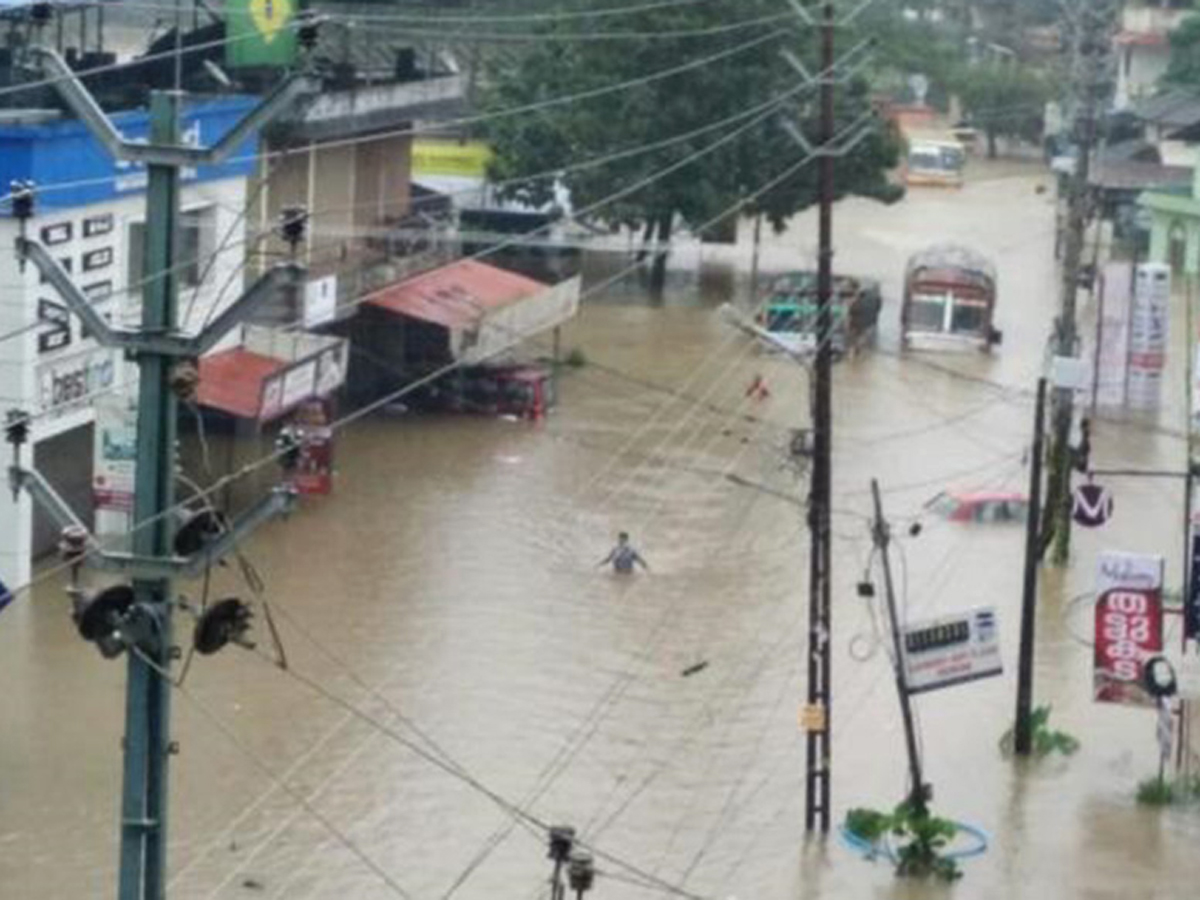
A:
(1004, 100)
(652, 112)
(1183, 70)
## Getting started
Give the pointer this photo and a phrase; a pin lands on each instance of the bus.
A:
(935, 162)
(949, 298)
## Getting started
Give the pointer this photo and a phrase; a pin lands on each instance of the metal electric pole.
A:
(1091, 82)
(137, 619)
(918, 796)
(818, 750)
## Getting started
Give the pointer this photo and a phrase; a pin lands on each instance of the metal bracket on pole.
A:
(281, 501)
(81, 102)
(837, 149)
(278, 277)
(45, 496)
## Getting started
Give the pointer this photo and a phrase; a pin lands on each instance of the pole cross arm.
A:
(843, 70)
(850, 137)
(280, 501)
(278, 277)
(85, 107)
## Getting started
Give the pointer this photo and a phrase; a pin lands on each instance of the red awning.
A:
(457, 295)
(232, 381)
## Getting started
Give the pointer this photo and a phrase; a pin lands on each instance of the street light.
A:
(562, 840)
(582, 872)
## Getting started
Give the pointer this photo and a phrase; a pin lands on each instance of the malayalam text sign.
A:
(1128, 632)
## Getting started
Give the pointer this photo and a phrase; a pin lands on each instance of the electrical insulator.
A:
(582, 872)
(185, 380)
(293, 224)
(308, 30)
(16, 427)
(22, 200)
(562, 839)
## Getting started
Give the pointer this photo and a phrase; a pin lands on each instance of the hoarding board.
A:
(1112, 358)
(260, 32)
(1148, 324)
(951, 650)
(1128, 626)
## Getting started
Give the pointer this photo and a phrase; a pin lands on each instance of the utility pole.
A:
(137, 619)
(819, 740)
(1090, 83)
(1023, 727)
(881, 532)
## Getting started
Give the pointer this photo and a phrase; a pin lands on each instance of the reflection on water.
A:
(452, 578)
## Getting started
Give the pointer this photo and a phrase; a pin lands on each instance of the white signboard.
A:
(1148, 334)
(1113, 357)
(1141, 571)
(115, 456)
(67, 382)
(952, 650)
(298, 383)
(320, 301)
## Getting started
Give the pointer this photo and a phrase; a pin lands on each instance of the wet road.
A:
(448, 592)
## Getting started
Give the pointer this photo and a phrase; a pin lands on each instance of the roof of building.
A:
(1174, 108)
(232, 380)
(457, 295)
(1131, 175)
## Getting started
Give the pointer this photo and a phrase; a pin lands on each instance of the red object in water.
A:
(758, 389)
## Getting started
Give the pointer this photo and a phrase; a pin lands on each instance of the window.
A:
(927, 312)
(197, 231)
(969, 318)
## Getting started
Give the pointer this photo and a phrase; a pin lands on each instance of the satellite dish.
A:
(199, 529)
(226, 621)
(99, 619)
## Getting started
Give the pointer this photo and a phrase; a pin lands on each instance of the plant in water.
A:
(576, 358)
(1164, 792)
(921, 839)
(1046, 740)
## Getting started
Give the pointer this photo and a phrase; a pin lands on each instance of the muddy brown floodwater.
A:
(452, 578)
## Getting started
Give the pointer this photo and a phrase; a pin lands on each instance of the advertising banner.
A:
(1148, 323)
(260, 32)
(952, 650)
(1128, 626)
(115, 454)
(1112, 360)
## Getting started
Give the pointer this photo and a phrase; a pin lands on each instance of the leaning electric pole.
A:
(1090, 83)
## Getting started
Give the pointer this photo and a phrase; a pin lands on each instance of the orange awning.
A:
(232, 381)
(456, 296)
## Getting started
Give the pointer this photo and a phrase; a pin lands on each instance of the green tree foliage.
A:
(1184, 67)
(1004, 100)
(920, 839)
(650, 113)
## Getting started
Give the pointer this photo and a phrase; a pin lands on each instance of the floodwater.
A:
(448, 592)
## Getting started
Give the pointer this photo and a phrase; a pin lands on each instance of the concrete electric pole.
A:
(1092, 28)
(137, 619)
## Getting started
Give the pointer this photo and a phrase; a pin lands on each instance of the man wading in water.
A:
(623, 557)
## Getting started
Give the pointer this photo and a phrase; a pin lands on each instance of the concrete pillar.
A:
(1160, 238)
(1191, 255)
(17, 354)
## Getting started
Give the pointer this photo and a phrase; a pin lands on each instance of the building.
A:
(90, 213)
(1143, 47)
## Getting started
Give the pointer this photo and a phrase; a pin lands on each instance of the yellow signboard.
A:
(462, 159)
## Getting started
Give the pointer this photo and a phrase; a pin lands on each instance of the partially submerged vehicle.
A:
(949, 298)
(980, 506)
(525, 390)
(789, 312)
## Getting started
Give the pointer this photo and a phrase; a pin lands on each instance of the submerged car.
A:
(980, 506)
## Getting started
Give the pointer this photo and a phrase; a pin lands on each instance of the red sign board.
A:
(1128, 631)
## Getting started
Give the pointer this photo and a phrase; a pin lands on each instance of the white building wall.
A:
(1139, 70)
(59, 385)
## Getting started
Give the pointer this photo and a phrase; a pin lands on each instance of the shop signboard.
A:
(1128, 626)
(320, 301)
(261, 32)
(115, 454)
(1148, 335)
(67, 382)
(1113, 354)
(952, 650)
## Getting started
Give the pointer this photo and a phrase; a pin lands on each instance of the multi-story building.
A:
(1143, 46)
